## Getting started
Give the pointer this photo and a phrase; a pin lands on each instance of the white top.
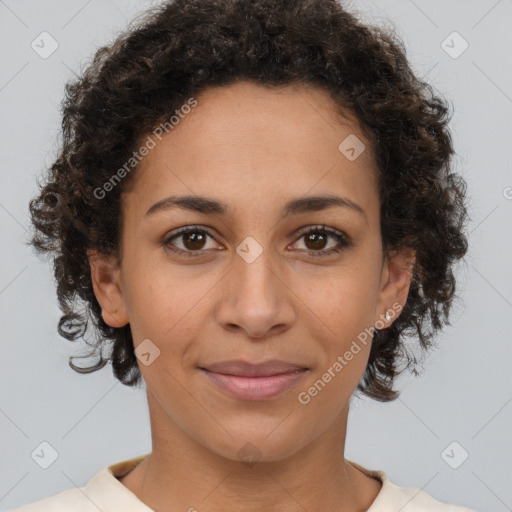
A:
(105, 492)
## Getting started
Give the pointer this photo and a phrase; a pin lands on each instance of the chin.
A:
(252, 441)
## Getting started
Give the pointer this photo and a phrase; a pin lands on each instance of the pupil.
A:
(195, 238)
(321, 237)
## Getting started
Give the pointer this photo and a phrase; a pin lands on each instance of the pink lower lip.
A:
(254, 388)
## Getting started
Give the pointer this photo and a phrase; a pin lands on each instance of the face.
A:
(248, 282)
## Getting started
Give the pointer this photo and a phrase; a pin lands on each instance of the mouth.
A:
(254, 388)
(245, 369)
(245, 381)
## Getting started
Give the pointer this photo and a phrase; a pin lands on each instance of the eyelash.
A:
(343, 240)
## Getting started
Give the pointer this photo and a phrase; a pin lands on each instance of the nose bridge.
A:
(253, 273)
(254, 299)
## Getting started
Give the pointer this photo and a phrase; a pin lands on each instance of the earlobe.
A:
(395, 284)
(106, 282)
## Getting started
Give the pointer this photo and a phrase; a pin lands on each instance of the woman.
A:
(255, 203)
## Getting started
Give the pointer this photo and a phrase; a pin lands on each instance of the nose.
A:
(255, 297)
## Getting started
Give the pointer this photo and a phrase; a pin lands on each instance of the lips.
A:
(248, 381)
(244, 369)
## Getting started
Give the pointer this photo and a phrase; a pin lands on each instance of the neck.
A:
(189, 476)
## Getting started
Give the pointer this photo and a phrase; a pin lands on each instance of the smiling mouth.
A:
(243, 368)
(255, 387)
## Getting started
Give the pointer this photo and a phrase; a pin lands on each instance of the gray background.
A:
(92, 421)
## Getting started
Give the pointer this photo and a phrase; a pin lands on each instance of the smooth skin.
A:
(253, 148)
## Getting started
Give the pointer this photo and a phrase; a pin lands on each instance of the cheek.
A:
(342, 327)
(162, 304)
(343, 303)
(344, 299)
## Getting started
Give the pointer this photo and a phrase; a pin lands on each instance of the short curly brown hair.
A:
(179, 48)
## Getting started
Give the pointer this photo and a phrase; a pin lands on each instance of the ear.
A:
(395, 283)
(106, 282)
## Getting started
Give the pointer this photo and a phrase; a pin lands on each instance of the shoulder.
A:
(417, 500)
(70, 499)
(405, 499)
(103, 492)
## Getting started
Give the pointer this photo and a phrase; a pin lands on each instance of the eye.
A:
(194, 239)
(315, 238)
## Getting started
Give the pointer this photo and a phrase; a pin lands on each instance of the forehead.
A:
(286, 115)
(259, 144)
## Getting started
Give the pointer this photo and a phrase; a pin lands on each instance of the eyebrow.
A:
(210, 206)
